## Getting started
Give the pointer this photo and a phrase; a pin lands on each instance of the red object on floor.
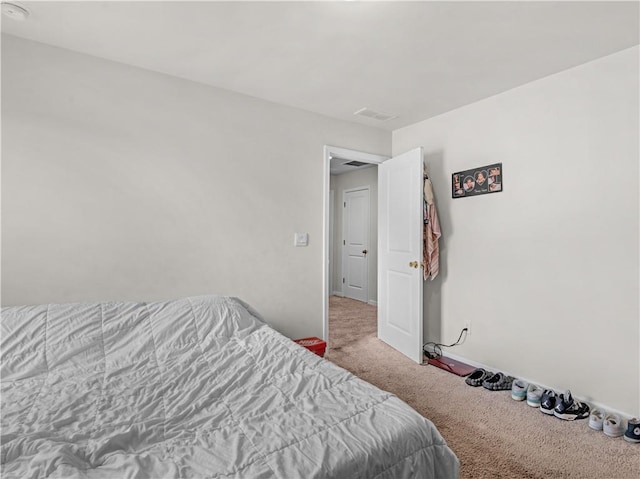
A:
(456, 367)
(313, 344)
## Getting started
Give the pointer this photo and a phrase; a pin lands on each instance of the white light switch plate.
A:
(301, 239)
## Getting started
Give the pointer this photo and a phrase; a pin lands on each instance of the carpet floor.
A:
(492, 435)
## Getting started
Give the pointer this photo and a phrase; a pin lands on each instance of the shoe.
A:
(568, 409)
(612, 425)
(578, 410)
(534, 393)
(633, 431)
(519, 390)
(548, 401)
(596, 418)
(498, 382)
(563, 402)
(476, 378)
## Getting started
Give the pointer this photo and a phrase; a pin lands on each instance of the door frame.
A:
(344, 263)
(347, 154)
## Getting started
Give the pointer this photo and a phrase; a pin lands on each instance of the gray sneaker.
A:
(498, 382)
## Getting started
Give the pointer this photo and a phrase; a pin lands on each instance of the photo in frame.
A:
(477, 181)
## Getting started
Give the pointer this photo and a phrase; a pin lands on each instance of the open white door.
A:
(400, 226)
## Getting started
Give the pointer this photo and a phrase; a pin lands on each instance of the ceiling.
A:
(414, 60)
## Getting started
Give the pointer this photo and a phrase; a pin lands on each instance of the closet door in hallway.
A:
(355, 245)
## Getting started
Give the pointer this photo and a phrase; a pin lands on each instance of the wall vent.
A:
(355, 163)
(375, 114)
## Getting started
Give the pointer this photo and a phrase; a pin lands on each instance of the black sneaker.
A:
(563, 403)
(633, 431)
(548, 401)
(577, 410)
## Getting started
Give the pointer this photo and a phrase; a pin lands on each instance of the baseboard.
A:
(341, 295)
(592, 404)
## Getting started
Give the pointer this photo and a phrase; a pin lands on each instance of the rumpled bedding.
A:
(197, 387)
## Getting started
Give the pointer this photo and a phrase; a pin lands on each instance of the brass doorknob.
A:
(413, 264)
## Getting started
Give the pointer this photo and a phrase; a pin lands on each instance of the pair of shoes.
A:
(477, 377)
(494, 382)
(563, 406)
(568, 409)
(633, 431)
(519, 390)
(534, 394)
(611, 424)
(498, 382)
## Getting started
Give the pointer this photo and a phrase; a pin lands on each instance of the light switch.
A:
(301, 239)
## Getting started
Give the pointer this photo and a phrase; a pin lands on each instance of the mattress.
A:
(196, 387)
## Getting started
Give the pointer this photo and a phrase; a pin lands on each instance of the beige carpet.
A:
(493, 435)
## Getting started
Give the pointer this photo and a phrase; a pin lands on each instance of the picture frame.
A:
(477, 181)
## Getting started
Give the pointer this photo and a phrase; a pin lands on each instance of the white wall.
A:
(547, 271)
(340, 183)
(124, 184)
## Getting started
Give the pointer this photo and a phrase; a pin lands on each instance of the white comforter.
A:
(198, 387)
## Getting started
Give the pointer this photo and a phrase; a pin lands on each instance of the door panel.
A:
(399, 287)
(400, 225)
(356, 244)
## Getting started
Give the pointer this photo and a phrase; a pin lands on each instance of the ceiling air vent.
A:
(376, 115)
(14, 11)
(355, 163)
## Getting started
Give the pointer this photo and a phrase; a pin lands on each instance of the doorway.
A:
(345, 161)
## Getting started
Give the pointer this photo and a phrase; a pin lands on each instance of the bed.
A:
(196, 387)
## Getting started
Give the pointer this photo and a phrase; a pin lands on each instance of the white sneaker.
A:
(596, 418)
(519, 390)
(613, 425)
(534, 393)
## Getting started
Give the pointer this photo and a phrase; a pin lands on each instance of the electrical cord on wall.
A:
(434, 350)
